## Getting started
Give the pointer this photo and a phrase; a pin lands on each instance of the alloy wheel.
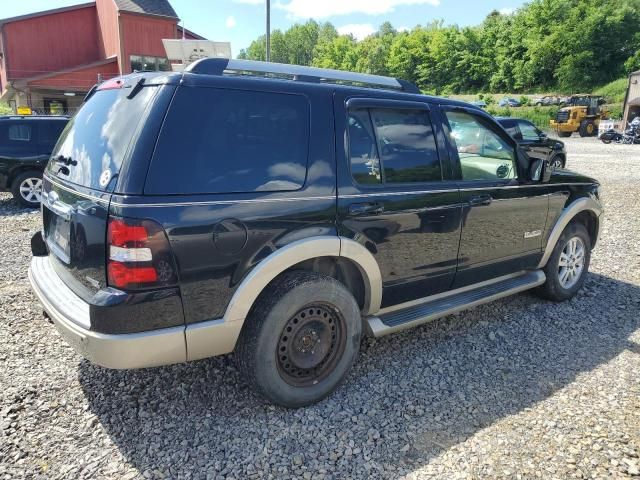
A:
(31, 190)
(571, 263)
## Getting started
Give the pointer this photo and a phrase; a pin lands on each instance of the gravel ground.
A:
(520, 388)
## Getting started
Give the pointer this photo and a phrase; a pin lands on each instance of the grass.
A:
(5, 109)
(615, 91)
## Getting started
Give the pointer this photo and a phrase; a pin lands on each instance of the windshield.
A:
(92, 147)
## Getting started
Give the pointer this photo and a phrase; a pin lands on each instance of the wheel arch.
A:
(585, 210)
(313, 254)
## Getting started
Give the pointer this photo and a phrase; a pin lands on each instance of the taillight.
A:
(139, 255)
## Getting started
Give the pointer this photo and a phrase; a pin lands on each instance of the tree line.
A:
(546, 45)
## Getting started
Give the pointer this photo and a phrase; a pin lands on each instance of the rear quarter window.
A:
(231, 141)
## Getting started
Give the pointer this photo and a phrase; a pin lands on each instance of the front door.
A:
(503, 217)
(396, 194)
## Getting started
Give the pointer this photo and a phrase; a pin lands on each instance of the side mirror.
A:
(540, 171)
(542, 135)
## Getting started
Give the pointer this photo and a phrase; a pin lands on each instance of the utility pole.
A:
(268, 30)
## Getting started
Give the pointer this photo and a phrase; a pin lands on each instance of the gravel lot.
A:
(520, 388)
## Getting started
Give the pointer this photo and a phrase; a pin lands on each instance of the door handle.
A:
(480, 200)
(373, 208)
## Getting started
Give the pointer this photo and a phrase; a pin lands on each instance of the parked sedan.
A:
(479, 103)
(535, 142)
(509, 102)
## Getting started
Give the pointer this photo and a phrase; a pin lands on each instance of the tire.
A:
(587, 128)
(287, 369)
(555, 288)
(26, 188)
(564, 134)
(557, 162)
(606, 142)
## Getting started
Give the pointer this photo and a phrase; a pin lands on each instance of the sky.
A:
(241, 21)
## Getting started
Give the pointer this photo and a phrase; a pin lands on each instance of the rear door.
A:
(82, 173)
(396, 195)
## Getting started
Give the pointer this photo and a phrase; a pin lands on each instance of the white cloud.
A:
(231, 22)
(358, 30)
(507, 11)
(330, 8)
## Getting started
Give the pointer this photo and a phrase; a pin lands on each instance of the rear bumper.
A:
(71, 316)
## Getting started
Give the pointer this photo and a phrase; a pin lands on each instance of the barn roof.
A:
(148, 7)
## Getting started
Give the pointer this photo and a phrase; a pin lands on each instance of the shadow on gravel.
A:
(410, 397)
(9, 207)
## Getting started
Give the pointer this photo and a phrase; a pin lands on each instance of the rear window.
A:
(231, 141)
(94, 143)
(20, 132)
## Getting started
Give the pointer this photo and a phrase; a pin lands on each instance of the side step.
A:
(415, 313)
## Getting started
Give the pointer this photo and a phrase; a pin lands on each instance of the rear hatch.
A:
(84, 171)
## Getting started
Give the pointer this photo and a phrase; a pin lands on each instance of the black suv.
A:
(535, 142)
(25, 147)
(283, 212)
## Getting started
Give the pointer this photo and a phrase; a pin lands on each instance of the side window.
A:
(483, 154)
(365, 164)
(392, 146)
(407, 146)
(231, 141)
(20, 132)
(48, 132)
(529, 132)
(512, 129)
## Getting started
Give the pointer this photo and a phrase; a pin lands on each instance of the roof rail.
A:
(220, 66)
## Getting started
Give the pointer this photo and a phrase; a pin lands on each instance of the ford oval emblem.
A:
(105, 177)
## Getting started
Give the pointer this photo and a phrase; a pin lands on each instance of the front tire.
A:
(26, 188)
(300, 339)
(557, 162)
(587, 128)
(568, 265)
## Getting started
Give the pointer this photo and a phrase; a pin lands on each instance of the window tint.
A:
(142, 63)
(48, 132)
(97, 138)
(529, 132)
(483, 154)
(20, 132)
(407, 146)
(224, 141)
(511, 128)
(365, 165)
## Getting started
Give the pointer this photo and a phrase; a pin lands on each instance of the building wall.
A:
(108, 28)
(632, 94)
(39, 45)
(77, 80)
(142, 35)
(3, 72)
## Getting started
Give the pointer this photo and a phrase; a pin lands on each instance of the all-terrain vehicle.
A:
(283, 212)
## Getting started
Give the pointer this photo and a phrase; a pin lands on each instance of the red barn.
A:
(50, 59)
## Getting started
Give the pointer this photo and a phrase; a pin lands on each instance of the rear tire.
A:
(587, 128)
(300, 339)
(26, 188)
(568, 265)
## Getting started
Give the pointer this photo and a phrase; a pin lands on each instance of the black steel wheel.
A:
(300, 339)
(309, 345)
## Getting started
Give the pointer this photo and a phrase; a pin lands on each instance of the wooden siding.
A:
(632, 93)
(39, 45)
(108, 30)
(78, 80)
(142, 35)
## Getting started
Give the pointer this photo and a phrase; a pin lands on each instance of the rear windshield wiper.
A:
(65, 160)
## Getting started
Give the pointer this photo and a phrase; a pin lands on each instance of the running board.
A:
(438, 306)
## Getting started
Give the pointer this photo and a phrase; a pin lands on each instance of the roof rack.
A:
(220, 66)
